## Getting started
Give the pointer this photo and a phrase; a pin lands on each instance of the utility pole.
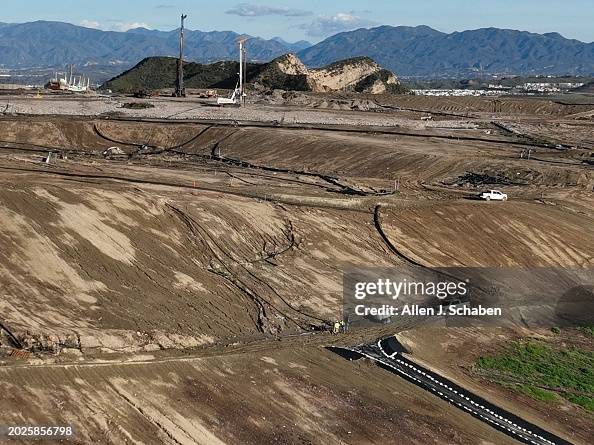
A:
(242, 69)
(180, 91)
(244, 73)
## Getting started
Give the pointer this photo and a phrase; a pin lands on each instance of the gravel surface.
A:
(189, 109)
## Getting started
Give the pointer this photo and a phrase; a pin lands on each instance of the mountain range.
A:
(408, 51)
(53, 44)
(423, 51)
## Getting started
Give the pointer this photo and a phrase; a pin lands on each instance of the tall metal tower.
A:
(242, 69)
(239, 95)
(180, 90)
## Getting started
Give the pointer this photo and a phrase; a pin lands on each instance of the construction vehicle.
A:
(238, 96)
(233, 100)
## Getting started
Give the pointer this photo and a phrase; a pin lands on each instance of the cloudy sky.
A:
(312, 20)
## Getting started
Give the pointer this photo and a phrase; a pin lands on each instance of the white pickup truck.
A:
(494, 195)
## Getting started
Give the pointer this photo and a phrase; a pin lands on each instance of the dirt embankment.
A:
(128, 269)
(521, 107)
(510, 235)
(412, 159)
(493, 235)
(303, 395)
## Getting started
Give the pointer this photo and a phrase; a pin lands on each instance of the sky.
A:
(312, 20)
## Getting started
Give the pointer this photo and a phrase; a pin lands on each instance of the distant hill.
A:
(52, 44)
(293, 47)
(155, 73)
(423, 51)
(286, 72)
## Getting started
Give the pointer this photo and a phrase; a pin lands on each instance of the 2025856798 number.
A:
(36, 431)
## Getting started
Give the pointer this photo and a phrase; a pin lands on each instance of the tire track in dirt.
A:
(102, 135)
(231, 276)
(148, 417)
(388, 242)
(11, 336)
(295, 200)
(414, 263)
(334, 128)
(198, 231)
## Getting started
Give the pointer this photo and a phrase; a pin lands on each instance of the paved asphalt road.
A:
(387, 353)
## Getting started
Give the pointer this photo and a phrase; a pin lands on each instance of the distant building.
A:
(75, 84)
(456, 92)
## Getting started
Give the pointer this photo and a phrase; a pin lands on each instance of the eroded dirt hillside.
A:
(173, 282)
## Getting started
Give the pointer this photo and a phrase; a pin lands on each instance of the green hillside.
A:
(154, 73)
(285, 73)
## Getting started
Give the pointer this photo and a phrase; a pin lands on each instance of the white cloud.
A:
(340, 22)
(90, 24)
(125, 26)
(113, 25)
(251, 10)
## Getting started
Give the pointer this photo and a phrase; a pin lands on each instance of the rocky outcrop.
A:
(361, 75)
(290, 64)
(283, 73)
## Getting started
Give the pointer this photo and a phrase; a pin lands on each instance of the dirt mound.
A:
(190, 280)
(86, 235)
(280, 97)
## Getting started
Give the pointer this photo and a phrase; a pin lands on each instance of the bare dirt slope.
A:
(146, 268)
(492, 235)
(212, 254)
(287, 396)
(439, 157)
